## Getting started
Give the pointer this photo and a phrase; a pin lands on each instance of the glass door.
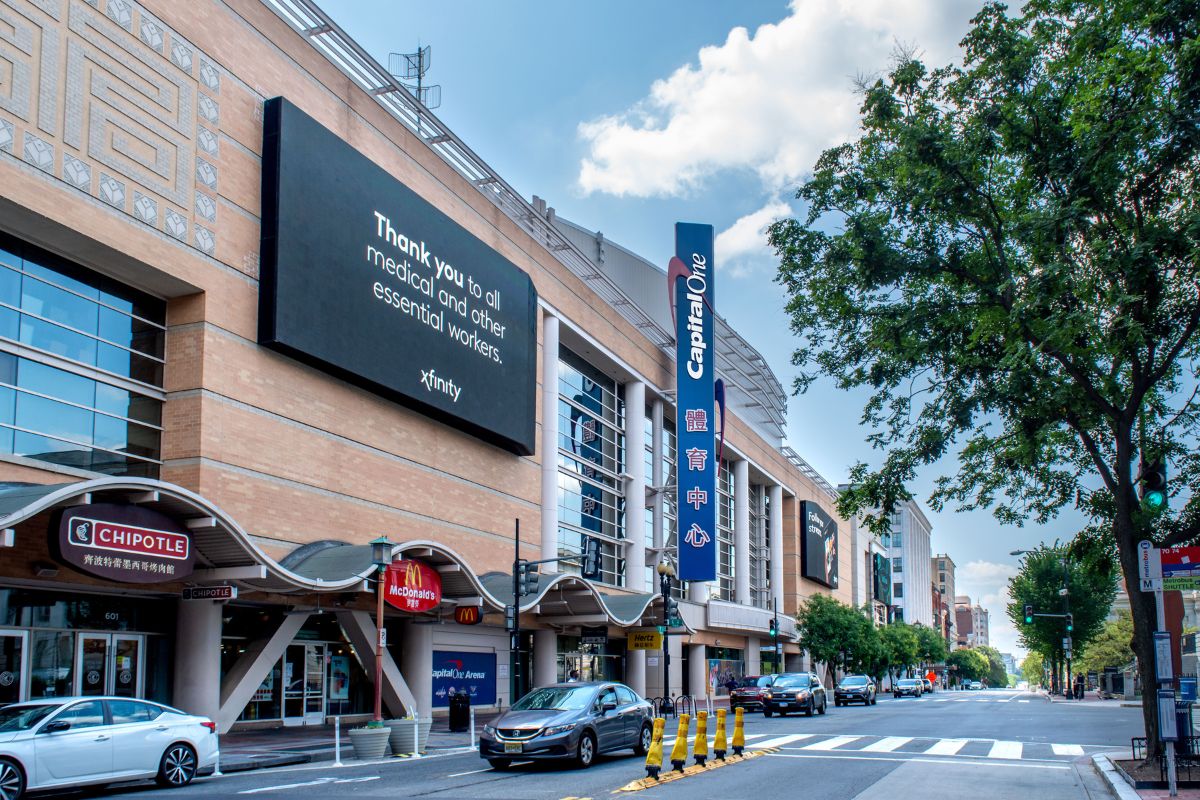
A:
(304, 684)
(314, 684)
(109, 664)
(293, 685)
(14, 655)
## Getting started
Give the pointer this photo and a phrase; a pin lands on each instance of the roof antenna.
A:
(413, 66)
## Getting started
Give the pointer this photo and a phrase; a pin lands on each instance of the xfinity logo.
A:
(433, 383)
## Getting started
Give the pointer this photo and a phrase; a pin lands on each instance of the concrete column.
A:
(675, 647)
(635, 671)
(416, 665)
(545, 657)
(656, 470)
(198, 657)
(635, 487)
(549, 440)
(741, 532)
(753, 656)
(776, 578)
(698, 669)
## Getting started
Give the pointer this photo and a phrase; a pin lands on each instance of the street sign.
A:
(210, 593)
(1180, 568)
(1187, 689)
(594, 635)
(1149, 563)
(510, 617)
(1151, 584)
(382, 637)
(644, 640)
(1163, 670)
(1167, 731)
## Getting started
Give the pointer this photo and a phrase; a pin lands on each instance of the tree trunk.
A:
(1145, 622)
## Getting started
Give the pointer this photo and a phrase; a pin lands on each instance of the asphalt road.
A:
(989, 744)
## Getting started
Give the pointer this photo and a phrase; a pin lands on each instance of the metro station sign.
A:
(412, 586)
(129, 544)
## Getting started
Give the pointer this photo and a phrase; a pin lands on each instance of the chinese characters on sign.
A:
(691, 278)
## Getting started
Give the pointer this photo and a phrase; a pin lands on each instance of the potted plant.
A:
(403, 732)
(370, 741)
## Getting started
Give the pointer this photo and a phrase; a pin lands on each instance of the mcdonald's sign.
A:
(412, 586)
(468, 615)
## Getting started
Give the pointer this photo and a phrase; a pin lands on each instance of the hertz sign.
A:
(412, 586)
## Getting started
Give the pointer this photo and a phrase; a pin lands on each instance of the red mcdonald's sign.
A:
(412, 586)
(468, 615)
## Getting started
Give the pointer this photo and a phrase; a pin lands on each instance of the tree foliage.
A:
(1043, 574)
(931, 644)
(1007, 259)
(1032, 668)
(969, 664)
(834, 633)
(1112, 647)
(901, 646)
(997, 673)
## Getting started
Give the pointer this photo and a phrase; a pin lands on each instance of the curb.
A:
(1115, 780)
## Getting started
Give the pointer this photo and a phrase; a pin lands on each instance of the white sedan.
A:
(77, 741)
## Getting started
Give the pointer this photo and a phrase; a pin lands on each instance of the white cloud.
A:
(768, 102)
(986, 582)
(743, 245)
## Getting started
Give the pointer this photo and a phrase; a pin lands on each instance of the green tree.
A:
(1044, 573)
(997, 674)
(901, 647)
(1007, 260)
(1032, 668)
(1111, 647)
(931, 645)
(835, 634)
(968, 664)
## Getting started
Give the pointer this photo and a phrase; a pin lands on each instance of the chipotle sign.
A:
(412, 586)
(124, 543)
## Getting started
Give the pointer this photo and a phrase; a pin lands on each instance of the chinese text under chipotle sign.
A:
(412, 586)
(124, 543)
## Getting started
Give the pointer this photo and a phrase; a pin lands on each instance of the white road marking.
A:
(1022, 701)
(968, 760)
(317, 782)
(1005, 750)
(946, 747)
(781, 741)
(888, 744)
(1067, 749)
(472, 772)
(831, 744)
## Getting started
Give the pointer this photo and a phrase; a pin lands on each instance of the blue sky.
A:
(628, 116)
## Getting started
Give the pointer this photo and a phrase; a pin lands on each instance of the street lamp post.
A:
(381, 556)
(665, 573)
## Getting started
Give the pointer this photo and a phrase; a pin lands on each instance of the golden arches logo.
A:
(413, 576)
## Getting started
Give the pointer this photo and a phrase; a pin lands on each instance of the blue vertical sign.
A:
(691, 278)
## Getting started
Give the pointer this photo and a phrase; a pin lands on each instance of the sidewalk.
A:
(277, 747)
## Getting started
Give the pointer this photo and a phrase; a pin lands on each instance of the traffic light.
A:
(529, 579)
(671, 611)
(1152, 480)
(1070, 623)
(1028, 615)
(771, 629)
(591, 559)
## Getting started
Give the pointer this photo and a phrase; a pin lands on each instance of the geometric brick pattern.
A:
(104, 96)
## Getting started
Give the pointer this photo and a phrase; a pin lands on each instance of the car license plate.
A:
(512, 747)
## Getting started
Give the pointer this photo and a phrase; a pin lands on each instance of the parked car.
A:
(927, 685)
(749, 693)
(975, 685)
(794, 691)
(569, 721)
(65, 742)
(854, 688)
(907, 687)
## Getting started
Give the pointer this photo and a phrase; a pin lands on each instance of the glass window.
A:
(23, 718)
(126, 711)
(625, 696)
(88, 714)
(555, 698)
(54, 418)
(898, 590)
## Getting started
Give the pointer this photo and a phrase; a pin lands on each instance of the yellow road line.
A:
(668, 774)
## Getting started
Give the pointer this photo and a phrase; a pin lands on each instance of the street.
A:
(990, 744)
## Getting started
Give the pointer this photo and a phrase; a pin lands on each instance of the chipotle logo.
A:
(124, 543)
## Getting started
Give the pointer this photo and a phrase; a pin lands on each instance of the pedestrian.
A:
(573, 676)
(731, 683)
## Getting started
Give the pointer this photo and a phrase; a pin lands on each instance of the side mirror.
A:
(607, 707)
(56, 726)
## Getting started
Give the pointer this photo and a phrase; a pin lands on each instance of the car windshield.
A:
(22, 718)
(754, 681)
(556, 698)
(765, 680)
(854, 680)
(788, 681)
(909, 682)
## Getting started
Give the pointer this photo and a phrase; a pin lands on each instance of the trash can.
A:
(1183, 724)
(460, 712)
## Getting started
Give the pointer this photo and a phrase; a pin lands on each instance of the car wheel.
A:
(808, 711)
(822, 709)
(499, 764)
(177, 766)
(586, 752)
(767, 712)
(873, 699)
(12, 780)
(644, 740)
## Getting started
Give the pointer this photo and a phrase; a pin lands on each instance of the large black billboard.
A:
(364, 279)
(819, 534)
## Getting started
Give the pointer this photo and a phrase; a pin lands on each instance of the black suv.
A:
(794, 691)
(854, 689)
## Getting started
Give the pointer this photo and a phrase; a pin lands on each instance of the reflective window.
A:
(69, 408)
(89, 714)
(126, 711)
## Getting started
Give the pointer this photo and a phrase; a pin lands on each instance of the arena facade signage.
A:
(128, 544)
(690, 275)
(412, 586)
(819, 548)
(364, 279)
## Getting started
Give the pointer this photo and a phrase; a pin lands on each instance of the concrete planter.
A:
(369, 743)
(402, 733)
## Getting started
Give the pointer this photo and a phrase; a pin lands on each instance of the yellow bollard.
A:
(739, 732)
(701, 748)
(679, 751)
(719, 738)
(654, 756)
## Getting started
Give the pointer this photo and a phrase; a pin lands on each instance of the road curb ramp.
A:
(1116, 782)
(695, 769)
